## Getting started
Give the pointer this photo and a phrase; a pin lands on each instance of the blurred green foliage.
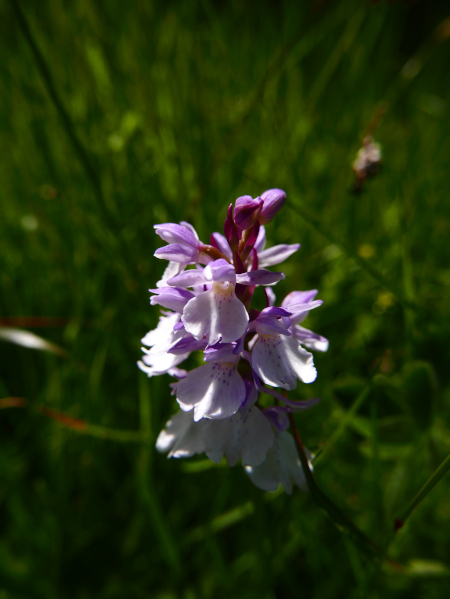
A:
(144, 112)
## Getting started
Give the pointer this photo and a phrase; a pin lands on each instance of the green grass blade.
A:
(316, 224)
(439, 473)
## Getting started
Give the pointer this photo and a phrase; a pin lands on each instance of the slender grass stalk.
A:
(113, 238)
(147, 490)
(77, 425)
(64, 115)
(437, 475)
(346, 420)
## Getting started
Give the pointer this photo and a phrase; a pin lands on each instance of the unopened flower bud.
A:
(273, 202)
(246, 211)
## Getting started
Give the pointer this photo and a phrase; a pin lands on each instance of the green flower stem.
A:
(336, 515)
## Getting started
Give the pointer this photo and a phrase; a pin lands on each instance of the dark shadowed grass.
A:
(118, 116)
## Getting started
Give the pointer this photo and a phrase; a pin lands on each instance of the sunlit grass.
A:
(162, 112)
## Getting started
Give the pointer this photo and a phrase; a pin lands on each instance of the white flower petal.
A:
(163, 336)
(310, 339)
(214, 391)
(279, 360)
(217, 313)
(181, 437)
(281, 466)
(246, 435)
(161, 363)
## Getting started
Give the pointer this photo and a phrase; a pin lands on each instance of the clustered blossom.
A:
(206, 294)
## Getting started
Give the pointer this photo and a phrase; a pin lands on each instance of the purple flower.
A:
(184, 244)
(207, 291)
(215, 390)
(277, 357)
(217, 313)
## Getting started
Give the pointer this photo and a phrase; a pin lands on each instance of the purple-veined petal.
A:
(221, 352)
(273, 202)
(275, 311)
(305, 307)
(259, 277)
(177, 252)
(188, 226)
(177, 234)
(213, 390)
(220, 271)
(281, 466)
(246, 435)
(222, 245)
(188, 278)
(276, 254)
(187, 344)
(181, 437)
(279, 360)
(171, 298)
(269, 324)
(310, 339)
(298, 297)
(217, 313)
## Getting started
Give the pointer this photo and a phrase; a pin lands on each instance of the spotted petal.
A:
(214, 390)
(216, 313)
(280, 360)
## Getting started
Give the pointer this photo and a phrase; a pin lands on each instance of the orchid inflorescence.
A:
(247, 352)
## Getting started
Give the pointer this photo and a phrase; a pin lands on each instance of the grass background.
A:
(115, 116)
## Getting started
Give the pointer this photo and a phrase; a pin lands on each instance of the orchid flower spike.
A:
(206, 294)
